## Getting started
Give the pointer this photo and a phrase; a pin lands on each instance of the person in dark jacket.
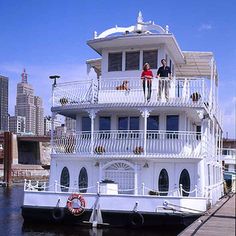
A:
(164, 73)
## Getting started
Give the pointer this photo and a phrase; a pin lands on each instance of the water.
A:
(12, 223)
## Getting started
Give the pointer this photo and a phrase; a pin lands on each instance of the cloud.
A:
(204, 27)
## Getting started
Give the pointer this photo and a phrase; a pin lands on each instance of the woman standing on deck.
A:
(146, 77)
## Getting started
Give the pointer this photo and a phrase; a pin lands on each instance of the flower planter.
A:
(138, 150)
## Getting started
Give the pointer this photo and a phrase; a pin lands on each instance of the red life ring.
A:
(76, 210)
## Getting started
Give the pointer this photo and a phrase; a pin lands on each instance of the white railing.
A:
(73, 93)
(130, 90)
(163, 143)
(141, 190)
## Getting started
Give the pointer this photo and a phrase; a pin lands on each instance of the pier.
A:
(219, 220)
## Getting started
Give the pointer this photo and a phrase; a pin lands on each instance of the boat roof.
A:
(197, 64)
(187, 63)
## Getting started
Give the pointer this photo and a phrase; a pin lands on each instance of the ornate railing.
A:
(130, 90)
(130, 143)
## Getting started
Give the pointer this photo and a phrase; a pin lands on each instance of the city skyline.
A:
(47, 44)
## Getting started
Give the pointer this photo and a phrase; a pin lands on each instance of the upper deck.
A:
(124, 51)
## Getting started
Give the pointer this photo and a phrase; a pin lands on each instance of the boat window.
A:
(104, 123)
(153, 123)
(198, 130)
(105, 126)
(123, 123)
(65, 180)
(86, 124)
(172, 124)
(128, 123)
(132, 60)
(134, 123)
(152, 127)
(150, 57)
(185, 181)
(163, 183)
(83, 180)
(115, 61)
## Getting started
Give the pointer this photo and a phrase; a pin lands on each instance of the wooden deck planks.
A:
(220, 220)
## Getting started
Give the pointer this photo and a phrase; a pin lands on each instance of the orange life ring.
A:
(76, 210)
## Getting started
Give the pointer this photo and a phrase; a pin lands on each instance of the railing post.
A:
(44, 186)
(145, 113)
(143, 189)
(92, 85)
(55, 186)
(181, 189)
(196, 191)
(98, 188)
(92, 115)
(25, 183)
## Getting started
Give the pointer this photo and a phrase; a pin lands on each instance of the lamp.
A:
(54, 77)
(146, 165)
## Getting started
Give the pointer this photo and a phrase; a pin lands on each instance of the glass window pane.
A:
(123, 123)
(151, 58)
(163, 182)
(185, 181)
(134, 123)
(83, 180)
(86, 124)
(115, 61)
(153, 123)
(104, 123)
(132, 60)
(172, 123)
(65, 180)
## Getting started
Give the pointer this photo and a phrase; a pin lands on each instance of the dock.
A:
(219, 220)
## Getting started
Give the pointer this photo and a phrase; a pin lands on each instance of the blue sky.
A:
(49, 36)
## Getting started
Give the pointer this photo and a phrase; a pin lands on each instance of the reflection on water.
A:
(12, 224)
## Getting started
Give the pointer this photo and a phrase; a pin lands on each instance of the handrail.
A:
(28, 186)
(130, 143)
(129, 89)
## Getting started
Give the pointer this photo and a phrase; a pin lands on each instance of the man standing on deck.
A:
(164, 73)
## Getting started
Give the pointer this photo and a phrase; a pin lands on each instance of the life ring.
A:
(81, 204)
(136, 219)
(58, 214)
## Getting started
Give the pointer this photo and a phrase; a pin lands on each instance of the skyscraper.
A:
(29, 106)
(17, 124)
(39, 119)
(3, 103)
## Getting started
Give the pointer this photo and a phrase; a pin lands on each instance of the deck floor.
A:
(220, 220)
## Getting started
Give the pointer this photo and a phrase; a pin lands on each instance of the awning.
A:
(197, 64)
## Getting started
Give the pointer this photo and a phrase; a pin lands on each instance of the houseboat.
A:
(133, 162)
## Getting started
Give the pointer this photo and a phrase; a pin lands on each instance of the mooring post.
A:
(7, 158)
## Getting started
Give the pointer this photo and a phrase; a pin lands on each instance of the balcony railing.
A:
(131, 143)
(130, 90)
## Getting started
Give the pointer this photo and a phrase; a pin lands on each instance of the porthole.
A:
(185, 181)
(83, 180)
(65, 180)
(163, 183)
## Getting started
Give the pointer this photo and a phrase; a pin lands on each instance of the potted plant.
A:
(195, 96)
(152, 192)
(99, 149)
(63, 101)
(138, 150)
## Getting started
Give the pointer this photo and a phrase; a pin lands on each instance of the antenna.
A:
(24, 76)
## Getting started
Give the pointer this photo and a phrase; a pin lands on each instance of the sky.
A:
(49, 37)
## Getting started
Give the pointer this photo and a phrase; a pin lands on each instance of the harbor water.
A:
(12, 223)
